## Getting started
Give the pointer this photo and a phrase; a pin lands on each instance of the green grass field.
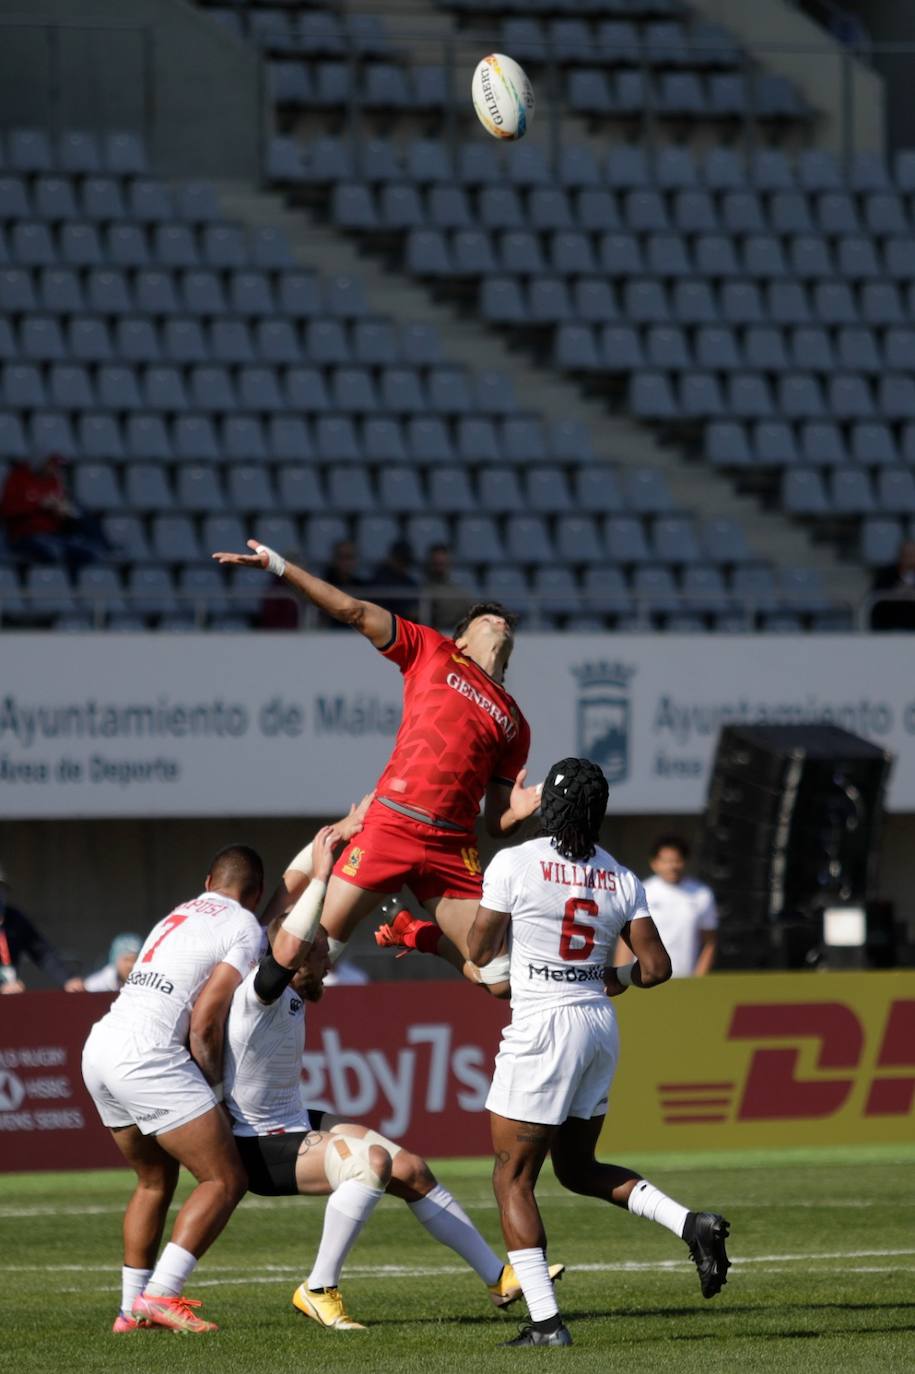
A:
(823, 1277)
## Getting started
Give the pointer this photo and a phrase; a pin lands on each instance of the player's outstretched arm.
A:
(486, 937)
(301, 869)
(208, 1021)
(370, 620)
(652, 962)
(507, 807)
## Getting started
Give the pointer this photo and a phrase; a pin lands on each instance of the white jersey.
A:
(681, 911)
(565, 920)
(180, 953)
(263, 1062)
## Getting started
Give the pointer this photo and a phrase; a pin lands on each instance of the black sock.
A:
(548, 1325)
(689, 1228)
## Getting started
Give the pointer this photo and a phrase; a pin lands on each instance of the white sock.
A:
(534, 1277)
(173, 1269)
(133, 1283)
(646, 1200)
(446, 1220)
(347, 1211)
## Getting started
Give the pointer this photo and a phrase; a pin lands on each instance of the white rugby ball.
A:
(503, 96)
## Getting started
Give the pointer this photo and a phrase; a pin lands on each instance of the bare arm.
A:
(208, 1021)
(505, 808)
(652, 965)
(486, 937)
(707, 953)
(288, 949)
(370, 620)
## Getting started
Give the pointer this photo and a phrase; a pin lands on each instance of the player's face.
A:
(487, 632)
(669, 864)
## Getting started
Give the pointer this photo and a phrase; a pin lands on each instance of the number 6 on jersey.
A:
(572, 930)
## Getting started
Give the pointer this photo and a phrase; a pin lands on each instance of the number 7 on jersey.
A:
(168, 925)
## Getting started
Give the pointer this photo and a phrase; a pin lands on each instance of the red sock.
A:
(424, 937)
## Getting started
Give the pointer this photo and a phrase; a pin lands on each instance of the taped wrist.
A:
(497, 970)
(271, 978)
(275, 563)
(624, 973)
(304, 861)
(303, 920)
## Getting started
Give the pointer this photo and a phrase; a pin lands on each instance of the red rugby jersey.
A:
(460, 729)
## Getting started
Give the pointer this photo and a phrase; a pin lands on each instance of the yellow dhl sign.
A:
(765, 1059)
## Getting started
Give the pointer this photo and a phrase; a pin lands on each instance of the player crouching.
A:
(288, 1149)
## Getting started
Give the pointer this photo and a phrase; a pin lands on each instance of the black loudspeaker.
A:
(792, 826)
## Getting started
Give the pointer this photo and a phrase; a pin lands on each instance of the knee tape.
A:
(347, 1156)
(497, 970)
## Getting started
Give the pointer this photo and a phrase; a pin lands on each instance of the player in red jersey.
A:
(462, 739)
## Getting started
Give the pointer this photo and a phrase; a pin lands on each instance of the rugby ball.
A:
(503, 97)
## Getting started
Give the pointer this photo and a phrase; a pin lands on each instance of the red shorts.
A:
(392, 851)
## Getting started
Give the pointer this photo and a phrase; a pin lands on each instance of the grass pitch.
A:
(823, 1279)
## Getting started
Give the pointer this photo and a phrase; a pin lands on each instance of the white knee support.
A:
(373, 1138)
(497, 970)
(347, 1156)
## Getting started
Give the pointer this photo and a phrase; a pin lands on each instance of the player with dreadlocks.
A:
(566, 901)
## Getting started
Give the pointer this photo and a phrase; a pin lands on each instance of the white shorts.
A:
(132, 1085)
(556, 1063)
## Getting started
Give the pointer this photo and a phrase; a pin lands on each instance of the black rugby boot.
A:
(529, 1335)
(705, 1234)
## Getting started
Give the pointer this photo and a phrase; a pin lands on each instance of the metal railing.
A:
(536, 609)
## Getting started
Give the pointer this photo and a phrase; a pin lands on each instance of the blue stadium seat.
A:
(500, 491)
(803, 492)
(383, 440)
(147, 488)
(477, 440)
(336, 440)
(174, 539)
(428, 440)
(146, 439)
(300, 490)
(524, 442)
(451, 493)
(259, 391)
(400, 489)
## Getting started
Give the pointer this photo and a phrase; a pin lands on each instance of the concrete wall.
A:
(819, 74)
(888, 21)
(161, 67)
(83, 881)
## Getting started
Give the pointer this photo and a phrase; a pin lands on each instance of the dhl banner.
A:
(730, 1061)
(752, 1060)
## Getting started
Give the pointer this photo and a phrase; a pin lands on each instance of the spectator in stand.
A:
(42, 523)
(18, 937)
(121, 958)
(447, 602)
(895, 608)
(392, 573)
(342, 572)
(683, 909)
